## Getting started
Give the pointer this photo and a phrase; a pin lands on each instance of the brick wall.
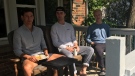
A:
(6, 66)
(79, 12)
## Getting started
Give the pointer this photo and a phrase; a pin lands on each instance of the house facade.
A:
(10, 12)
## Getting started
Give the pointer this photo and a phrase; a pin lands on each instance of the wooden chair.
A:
(38, 70)
(95, 61)
(51, 48)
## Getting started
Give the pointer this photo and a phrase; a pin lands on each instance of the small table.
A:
(59, 63)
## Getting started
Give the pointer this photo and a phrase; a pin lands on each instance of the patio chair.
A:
(38, 70)
(51, 48)
(94, 61)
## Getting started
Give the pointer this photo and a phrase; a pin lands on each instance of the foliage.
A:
(114, 10)
(116, 13)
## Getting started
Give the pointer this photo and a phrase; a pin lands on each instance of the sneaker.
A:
(102, 73)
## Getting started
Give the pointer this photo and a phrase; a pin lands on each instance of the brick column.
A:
(78, 12)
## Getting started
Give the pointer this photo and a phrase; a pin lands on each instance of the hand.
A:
(46, 53)
(29, 57)
(92, 43)
(77, 48)
(32, 58)
(71, 49)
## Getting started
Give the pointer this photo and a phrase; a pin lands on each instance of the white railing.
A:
(123, 41)
(115, 56)
(128, 33)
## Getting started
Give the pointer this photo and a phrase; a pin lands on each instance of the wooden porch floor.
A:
(91, 71)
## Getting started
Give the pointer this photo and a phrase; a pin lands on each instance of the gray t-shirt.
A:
(25, 41)
(63, 35)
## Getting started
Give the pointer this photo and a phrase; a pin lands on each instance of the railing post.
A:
(115, 56)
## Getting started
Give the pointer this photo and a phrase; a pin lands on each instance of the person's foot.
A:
(102, 73)
(83, 73)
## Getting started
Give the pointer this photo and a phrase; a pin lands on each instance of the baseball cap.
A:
(60, 8)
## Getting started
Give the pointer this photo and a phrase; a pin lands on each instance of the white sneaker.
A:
(102, 73)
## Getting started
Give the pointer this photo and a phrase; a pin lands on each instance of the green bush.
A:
(115, 12)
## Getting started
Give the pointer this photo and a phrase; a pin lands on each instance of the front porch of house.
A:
(11, 21)
(121, 54)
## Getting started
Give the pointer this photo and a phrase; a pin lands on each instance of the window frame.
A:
(11, 19)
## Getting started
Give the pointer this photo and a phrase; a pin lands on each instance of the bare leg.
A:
(83, 70)
(28, 67)
(55, 72)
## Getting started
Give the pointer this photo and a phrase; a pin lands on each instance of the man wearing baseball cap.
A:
(63, 37)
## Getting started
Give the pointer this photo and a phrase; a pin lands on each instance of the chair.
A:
(95, 61)
(47, 36)
(38, 70)
(51, 48)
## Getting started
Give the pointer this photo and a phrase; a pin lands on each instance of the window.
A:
(19, 11)
(27, 2)
(21, 4)
(3, 30)
(10, 15)
(67, 6)
(50, 6)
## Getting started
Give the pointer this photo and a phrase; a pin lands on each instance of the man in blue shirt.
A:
(96, 36)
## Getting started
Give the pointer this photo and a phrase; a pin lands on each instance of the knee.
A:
(91, 50)
(27, 67)
(70, 55)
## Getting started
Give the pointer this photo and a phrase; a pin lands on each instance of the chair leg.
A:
(94, 59)
(66, 71)
(16, 70)
(96, 66)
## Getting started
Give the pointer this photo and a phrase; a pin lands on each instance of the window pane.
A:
(3, 31)
(19, 11)
(50, 6)
(67, 6)
(28, 2)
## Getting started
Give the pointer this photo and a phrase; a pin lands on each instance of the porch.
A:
(119, 50)
(6, 67)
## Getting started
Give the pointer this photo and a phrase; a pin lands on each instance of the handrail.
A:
(129, 33)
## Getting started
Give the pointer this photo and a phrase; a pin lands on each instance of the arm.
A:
(43, 43)
(108, 31)
(73, 36)
(46, 52)
(17, 44)
(88, 35)
(75, 43)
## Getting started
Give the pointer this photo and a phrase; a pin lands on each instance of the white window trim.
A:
(60, 2)
(10, 8)
(21, 5)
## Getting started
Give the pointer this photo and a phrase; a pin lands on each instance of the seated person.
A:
(28, 41)
(63, 38)
(96, 36)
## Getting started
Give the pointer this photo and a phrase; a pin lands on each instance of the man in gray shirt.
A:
(28, 42)
(63, 37)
